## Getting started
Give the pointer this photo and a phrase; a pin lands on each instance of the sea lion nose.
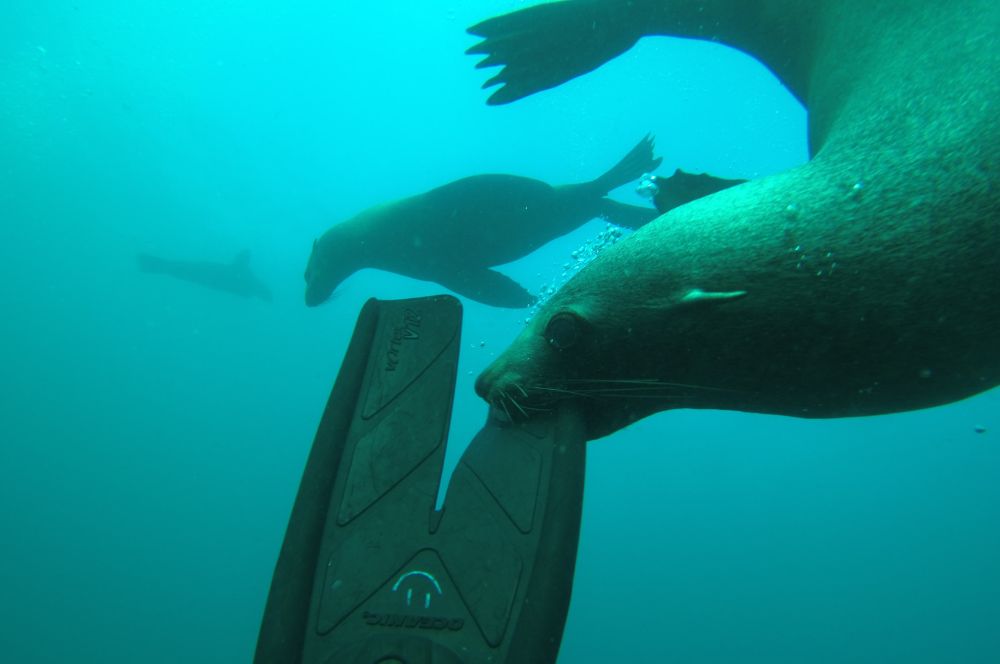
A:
(483, 386)
(314, 298)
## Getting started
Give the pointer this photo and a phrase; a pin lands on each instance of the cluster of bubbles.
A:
(580, 256)
(648, 188)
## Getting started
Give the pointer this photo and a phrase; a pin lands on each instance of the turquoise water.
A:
(152, 433)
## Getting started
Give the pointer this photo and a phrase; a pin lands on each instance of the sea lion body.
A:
(453, 234)
(865, 281)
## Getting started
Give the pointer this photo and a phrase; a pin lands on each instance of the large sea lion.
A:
(453, 234)
(234, 277)
(865, 281)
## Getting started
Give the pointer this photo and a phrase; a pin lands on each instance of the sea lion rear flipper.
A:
(546, 45)
(639, 161)
(629, 216)
(370, 570)
(487, 286)
(682, 187)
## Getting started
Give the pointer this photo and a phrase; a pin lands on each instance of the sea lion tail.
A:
(632, 166)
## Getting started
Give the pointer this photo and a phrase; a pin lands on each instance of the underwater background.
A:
(152, 433)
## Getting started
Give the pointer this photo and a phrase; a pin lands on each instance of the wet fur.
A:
(872, 273)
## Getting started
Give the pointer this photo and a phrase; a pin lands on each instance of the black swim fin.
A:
(369, 572)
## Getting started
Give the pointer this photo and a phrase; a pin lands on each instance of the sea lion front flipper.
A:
(694, 299)
(696, 296)
(487, 286)
(546, 45)
(629, 216)
(682, 187)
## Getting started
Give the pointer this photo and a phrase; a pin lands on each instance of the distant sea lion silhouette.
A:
(865, 281)
(235, 277)
(453, 234)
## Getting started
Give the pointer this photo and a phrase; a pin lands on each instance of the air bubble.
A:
(582, 256)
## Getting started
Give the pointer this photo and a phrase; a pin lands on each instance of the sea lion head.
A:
(617, 341)
(326, 269)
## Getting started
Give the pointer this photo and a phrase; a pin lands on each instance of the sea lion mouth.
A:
(315, 298)
(499, 415)
(514, 402)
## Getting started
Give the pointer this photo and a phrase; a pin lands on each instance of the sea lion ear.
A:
(564, 330)
(315, 242)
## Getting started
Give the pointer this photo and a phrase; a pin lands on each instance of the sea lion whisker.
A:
(612, 380)
(637, 393)
(652, 382)
(559, 391)
(503, 404)
(625, 390)
(658, 389)
(611, 385)
(673, 397)
(517, 405)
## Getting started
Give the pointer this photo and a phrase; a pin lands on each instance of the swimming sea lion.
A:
(452, 235)
(234, 277)
(865, 281)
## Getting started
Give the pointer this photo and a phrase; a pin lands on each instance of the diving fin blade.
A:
(520, 489)
(369, 571)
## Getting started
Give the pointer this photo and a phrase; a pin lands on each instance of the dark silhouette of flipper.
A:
(632, 166)
(629, 216)
(370, 571)
(235, 277)
(485, 285)
(546, 45)
(681, 188)
(639, 161)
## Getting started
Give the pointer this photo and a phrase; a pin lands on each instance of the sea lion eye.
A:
(563, 331)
